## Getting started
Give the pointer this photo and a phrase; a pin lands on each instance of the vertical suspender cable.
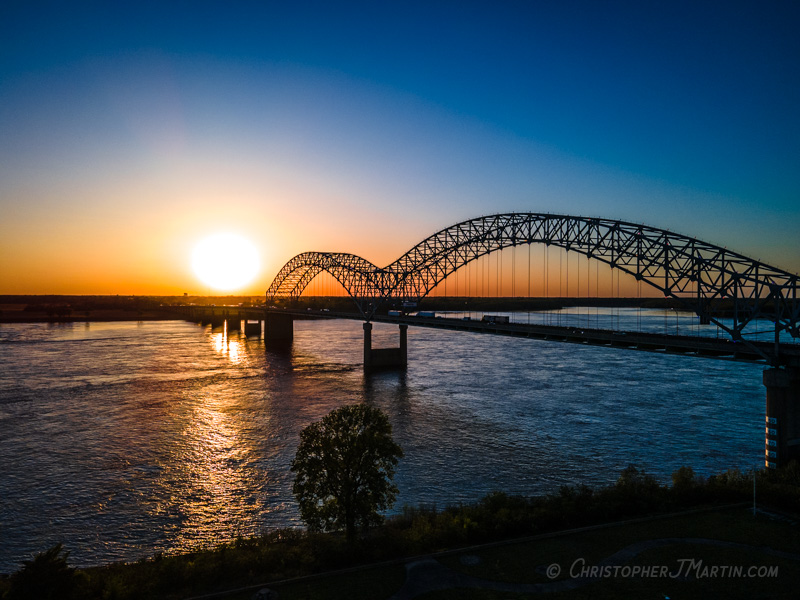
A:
(639, 303)
(513, 269)
(560, 269)
(546, 259)
(597, 292)
(613, 272)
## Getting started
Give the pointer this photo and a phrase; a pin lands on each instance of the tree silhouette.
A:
(46, 576)
(344, 468)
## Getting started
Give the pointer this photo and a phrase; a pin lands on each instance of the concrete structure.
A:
(385, 358)
(782, 428)
(234, 321)
(216, 319)
(278, 327)
(252, 329)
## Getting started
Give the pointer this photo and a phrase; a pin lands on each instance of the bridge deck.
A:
(719, 348)
(652, 342)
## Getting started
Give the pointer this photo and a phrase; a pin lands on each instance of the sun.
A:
(225, 261)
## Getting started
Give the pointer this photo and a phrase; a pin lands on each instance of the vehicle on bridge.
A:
(496, 319)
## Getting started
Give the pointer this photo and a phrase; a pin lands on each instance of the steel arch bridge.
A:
(714, 282)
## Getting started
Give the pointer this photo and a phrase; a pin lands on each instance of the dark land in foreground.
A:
(58, 308)
(500, 540)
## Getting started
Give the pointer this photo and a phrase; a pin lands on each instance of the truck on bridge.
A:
(496, 319)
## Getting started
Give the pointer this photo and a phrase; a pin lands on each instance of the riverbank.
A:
(279, 558)
(712, 552)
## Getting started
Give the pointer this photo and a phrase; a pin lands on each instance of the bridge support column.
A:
(252, 329)
(782, 442)
(367, 345)
(404, 345)
(385, 358)
(216, 320)
(278, 328)
(234, 322)
(702, 311)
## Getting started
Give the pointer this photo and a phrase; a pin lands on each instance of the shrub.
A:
(46, 577)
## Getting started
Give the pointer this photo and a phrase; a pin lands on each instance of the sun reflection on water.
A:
(226, 346)
(215, 481)
(216, 475)
(235, 351)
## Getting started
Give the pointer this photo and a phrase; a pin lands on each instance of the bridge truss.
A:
(721, 286)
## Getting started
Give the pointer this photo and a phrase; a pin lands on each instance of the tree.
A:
(344, 468)
(46, 576)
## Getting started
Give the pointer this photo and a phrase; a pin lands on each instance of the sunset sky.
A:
(131, 131)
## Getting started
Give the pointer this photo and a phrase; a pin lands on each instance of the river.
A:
(124, 439)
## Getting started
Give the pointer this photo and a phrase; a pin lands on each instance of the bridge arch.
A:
(708, 279)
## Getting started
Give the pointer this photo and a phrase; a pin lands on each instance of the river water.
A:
(124, 439)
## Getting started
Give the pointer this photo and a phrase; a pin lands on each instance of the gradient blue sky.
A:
(128, 132)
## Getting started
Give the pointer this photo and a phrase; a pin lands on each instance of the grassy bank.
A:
(287, 554)
(733, 537)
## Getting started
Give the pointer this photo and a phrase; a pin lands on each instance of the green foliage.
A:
(684, 479)
(46, 576)
(344, 468)
(632, 480)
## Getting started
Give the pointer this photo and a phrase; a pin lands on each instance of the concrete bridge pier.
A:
(205, 317)
(252, 329)
(234, 322)
(702, 311)
(385, 358)
(782, 443)
(278, 328)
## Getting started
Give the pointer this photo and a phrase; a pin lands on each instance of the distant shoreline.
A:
(93, 317)
(52, 308)
(87, 309)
